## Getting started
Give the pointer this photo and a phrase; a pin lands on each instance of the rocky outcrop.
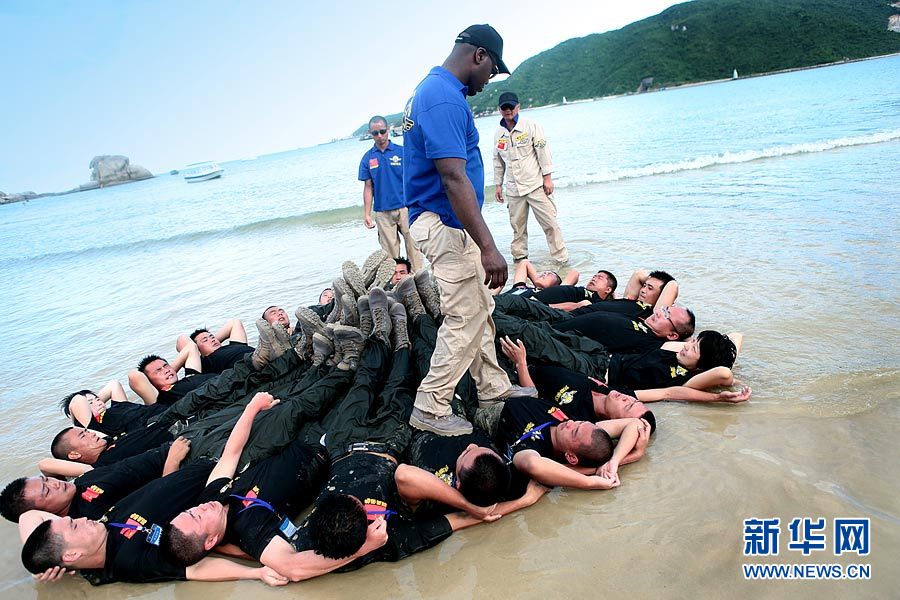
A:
(8, 198)
(112, 169)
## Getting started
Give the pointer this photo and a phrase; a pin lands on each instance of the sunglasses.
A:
(378, 131)
(507, 106)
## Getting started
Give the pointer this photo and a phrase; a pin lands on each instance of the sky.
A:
(169, 83)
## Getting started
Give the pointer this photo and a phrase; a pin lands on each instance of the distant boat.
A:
(734, 75)
(202, 171)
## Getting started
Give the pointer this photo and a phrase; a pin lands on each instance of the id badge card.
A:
(288, 528)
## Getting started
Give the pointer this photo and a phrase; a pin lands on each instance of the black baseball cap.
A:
(508, 98)
(485, 36)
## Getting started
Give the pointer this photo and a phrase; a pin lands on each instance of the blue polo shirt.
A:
(438, 123)
(385, 169)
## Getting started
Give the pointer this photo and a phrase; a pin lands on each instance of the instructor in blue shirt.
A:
(443, 181)
(381, 171)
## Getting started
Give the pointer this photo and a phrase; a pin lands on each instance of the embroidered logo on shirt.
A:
(91, 493)
(557, 413)
(501, 143)
(535, 435)
(254, 493)
(678, 372)
(100, 416)
(522, 138)
(639, 326)
(565, 395)
(373, 163)
(395, 161)
(408, 123)
(444, 475)
(540, 143)
(134, 519)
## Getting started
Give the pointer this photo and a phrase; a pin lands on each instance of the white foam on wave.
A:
(727, 158)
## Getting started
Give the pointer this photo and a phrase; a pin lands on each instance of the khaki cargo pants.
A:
(545, 212)
(390, 223)
(465, 340)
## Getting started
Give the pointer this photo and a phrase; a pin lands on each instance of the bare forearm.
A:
(220, 569)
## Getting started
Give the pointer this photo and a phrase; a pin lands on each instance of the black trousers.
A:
(377, 407)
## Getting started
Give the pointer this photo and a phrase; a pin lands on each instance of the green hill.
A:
(701, 41)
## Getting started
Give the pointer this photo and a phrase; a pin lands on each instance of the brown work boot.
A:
(371, 265)
(323, 348)
(354, 278)
(398, 326)
(428, 292)
(408, 295)
(350, 340)
(269, 347)
(365, 316)
(381, 318)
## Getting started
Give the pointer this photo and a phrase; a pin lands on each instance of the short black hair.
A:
(716, 350)
(558, 278)
(337, 526)
(180, 548)
(613, 282)
(12, 500)
(598, 451)
(64, 403)
(42, 550)
(59, 447)
(404, 261)
(651, 418)
(376, 119)
(263, 317)
(147, 360)
(197, 332)
(691, 325)
(486, 481)
(662, 276)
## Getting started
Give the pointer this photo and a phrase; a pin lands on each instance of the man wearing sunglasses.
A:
(443, 181)
(381, 171)
(522, 155)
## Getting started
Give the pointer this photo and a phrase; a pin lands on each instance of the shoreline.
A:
(699, 83)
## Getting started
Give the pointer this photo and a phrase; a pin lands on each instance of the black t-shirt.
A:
(129, 556)
(616, 332)
(98, 489)
(521, 289)
(124, 416)
(630, 308)
(370, 478)
(566, 293)
(288, 482)
(437, 454)
(525, 424)
(224, 358)
(190, 382)
(567, 389)
(323, 310)
(133, 443)
(653, 369)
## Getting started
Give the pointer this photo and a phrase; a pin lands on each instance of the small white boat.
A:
(202, 171)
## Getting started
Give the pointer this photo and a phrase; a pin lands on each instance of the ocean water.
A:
(773, 200)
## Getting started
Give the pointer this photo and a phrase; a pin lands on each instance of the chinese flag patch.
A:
(373, 163)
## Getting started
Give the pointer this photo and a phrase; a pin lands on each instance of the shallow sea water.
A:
(773, 201)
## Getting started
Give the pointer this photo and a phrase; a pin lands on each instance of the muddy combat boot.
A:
(398, 326)
(447, 426)
(383, 274)
(365, 316)
(303, 345)
(371, 266)
(381, 318)
(350, 340)
(309, 321)
(354, 278)
(349, 312)
(323, 348)
(428, 292)
(268, 348)
(408, 296)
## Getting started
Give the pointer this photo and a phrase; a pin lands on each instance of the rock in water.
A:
(110, 170)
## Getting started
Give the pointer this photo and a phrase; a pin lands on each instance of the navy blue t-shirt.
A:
(438, 123)
(385, 169)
